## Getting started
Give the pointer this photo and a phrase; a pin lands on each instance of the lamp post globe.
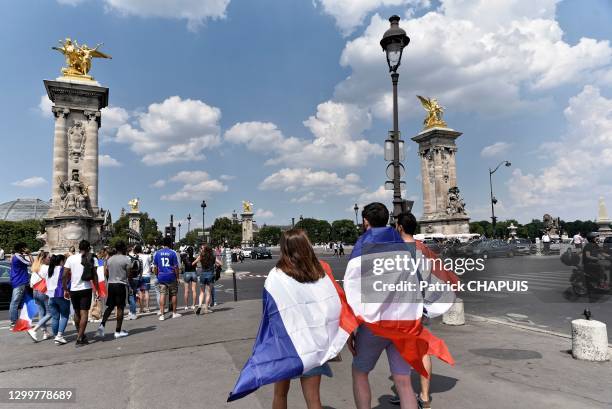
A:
(393, 42)
(203, 206)
(188, 222)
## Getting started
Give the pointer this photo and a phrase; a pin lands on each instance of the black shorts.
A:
(117, 293)
(81, 299)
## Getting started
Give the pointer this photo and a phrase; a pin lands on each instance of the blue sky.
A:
(286, 103)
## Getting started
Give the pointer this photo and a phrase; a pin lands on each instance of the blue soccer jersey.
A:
(167, 263)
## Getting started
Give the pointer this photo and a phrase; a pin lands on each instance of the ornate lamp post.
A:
(188, 223)
(393, 42)
(203, 206)
(179, 232)
(493, 199)
(356, 209)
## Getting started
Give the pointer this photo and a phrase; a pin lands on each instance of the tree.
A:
(26, 231)
(224, 230)
(344, 230)
(148, 227)
(319, 231)
(268, 235)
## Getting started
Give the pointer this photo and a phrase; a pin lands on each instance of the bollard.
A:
(454, 316)
(235, 288)
(589, 340)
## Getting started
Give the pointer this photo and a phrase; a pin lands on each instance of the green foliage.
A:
(192, 238)
(532, 229)
(224, 230)
(148, 226)
(344, 230)
(319, 231)
(26, 231)
(268, 235)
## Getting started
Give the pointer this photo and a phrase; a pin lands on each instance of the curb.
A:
(521, 326)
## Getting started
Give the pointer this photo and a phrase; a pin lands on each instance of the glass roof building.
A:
(24, 209)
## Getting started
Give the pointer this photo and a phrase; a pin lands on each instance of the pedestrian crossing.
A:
(541, 280)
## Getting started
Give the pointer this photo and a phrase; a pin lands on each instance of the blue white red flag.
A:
(303, 326)
(394, 315)
(27, 313)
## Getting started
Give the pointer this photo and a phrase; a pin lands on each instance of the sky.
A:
(286, 103)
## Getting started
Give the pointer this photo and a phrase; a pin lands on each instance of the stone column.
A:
(90, 162)
(425, 184)
(60, 155)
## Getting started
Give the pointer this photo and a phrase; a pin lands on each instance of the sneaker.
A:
(159, 313)
(185, 308)
(46, 335)
(32, 334)
(161, 317)
(423, 404)
(176, 315)
(132, 317)
(100, 331)
(193, 307)
(198, 310)
(11, 327)
(394, 400)
(81, 342)
(121, 334)
(59, 340)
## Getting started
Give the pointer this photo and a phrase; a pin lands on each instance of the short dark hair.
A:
(84, 245)
(408, 222)
(376, 214)
(121, 247)
(167, 241)
(19, 247)
(138, 248)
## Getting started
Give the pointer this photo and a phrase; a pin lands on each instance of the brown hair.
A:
(297, 258)
(207, 258)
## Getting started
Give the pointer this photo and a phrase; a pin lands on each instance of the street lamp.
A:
(301, 218)
(188, 223)
(356, 209)
(393, 42)
(493, 199)
(203, 206)
(179, 235)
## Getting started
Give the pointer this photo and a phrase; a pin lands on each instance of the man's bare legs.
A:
(281, 389)
(162, 303)
(403, 385)
(361, 389)
(425, 381)
(80, 320)
(310, 390)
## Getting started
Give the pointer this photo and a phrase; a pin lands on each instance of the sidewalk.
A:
(193, 362)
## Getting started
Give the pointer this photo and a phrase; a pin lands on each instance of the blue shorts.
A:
(369, 347)
(319, 370)
(145, 283)
(207, 277)
(190, 276)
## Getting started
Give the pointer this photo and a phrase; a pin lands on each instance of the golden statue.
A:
(134, 205)
(247, 207)
(78, 58)
(434, 113)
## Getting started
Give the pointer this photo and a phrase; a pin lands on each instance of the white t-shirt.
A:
(146, 264)
(546, 238)
(36, 277)
(577, 239)
(51, 282)
(76, 269)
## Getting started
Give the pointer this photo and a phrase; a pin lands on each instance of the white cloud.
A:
(264, 214)
(107, 161)
(495, 149)
(174, 130)
(305, 179)
(196, 185)
(227, 177)
(350, 14)
(308, 197)
(196, 12)
(45, 105)
(159, 183)
(337, 142)
(493, 67)
(34, 181)
(572, 172)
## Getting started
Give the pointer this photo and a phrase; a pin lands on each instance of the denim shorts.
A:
(207, 277)
(190, 276)
(145, 283)
(319, 370)
(369, 348)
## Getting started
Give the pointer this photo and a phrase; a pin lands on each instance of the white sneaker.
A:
(162, 317)
(59, 340)
(176, 315)
(185, 308)
(46, 335)
(32, 334)
(121, 334)
(100, 332)
(159, 313)
(132, 317)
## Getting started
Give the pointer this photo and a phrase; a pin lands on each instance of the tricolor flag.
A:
(397, 315)
(27, 313)
(101, 286)
(303, 326)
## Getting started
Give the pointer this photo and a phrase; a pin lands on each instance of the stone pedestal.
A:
(134, 225)
(74, 214)
(589, 340)
(247, 228)
(443, 208)
(603, 221)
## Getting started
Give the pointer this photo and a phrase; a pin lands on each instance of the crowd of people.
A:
(83, 286)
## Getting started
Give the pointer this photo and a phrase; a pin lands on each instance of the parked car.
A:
(607, 244)
(260, 252)
(434, 245)
(246, 252)
(523, 246)
(5, 284)
(492, 248)
(466, 249)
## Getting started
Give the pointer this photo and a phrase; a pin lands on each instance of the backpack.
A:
(135, 269)
(89, 267)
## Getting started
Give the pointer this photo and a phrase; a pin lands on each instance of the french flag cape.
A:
(26, 314)
(303, 326)
(398, 320)
(100, 288)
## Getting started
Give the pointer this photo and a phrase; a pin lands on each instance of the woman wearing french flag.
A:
(305, 323)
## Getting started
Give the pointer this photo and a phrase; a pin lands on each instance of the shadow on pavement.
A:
(506, 354)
